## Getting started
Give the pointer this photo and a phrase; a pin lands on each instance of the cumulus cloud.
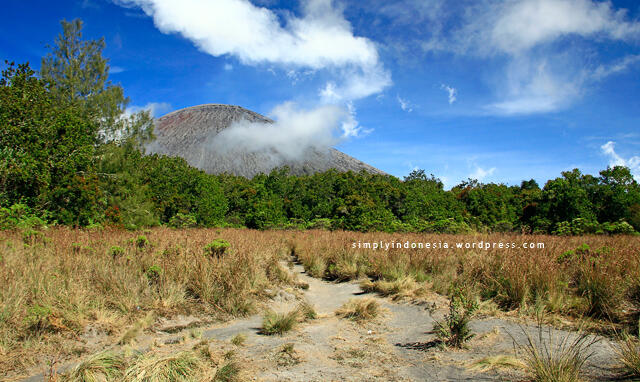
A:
(480, 173)
(321, 38)
(633, 163)
(404, 104)
(451, 92)
(294, 132)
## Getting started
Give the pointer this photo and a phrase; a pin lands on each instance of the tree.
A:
(79, 74)
(46, 150)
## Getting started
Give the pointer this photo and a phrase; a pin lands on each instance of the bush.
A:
(620, 227)
(142, 241)
(180, 220)
(116, 252)
(454, 330)
(216, 248)
(19, 216)
(153, 274)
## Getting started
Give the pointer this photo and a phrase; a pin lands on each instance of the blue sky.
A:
(496, 90)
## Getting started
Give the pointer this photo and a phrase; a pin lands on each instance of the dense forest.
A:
(70, 154)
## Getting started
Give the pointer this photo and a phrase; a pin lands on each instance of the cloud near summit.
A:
(319, 38)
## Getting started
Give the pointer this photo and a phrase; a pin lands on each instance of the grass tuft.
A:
(550, 360)
(360, 310)
(100, 367)
(278, 323)
(239, 339)
(628, 352)
(185, 366)
(230, 372)
(307, 311)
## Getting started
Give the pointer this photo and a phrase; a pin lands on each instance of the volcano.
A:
(190, 133)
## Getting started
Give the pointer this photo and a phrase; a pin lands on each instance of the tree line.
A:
(71, 155)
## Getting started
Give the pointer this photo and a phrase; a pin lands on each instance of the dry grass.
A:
(497, 362)
(100, 367)
(184, 366)
(552, 359)
(360, 309)
(279, 323)
(52, 289)
(628, 351)
(588, 276)
(56, 284)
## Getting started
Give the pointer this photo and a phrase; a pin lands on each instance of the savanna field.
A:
(56, 284)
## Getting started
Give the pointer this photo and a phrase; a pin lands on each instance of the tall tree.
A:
(78, 73)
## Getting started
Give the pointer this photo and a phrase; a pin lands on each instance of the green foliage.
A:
(216, 248)
(37, 318)
(181, 220)
(46, 147)
(69, 154)
(79, 75)
(454, 330)
(116, 252)
(153, 274)
(142, 241)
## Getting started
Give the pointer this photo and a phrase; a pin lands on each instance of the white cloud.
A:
(156, 109)
(532, 87)
(293, 133)
(404, 104)
(451, 92)
(356, 83)
(522, 25)
(480, 173)
(545, 71)
(319, 39)
(116, 69)
(615, 159)
(604, 71)
(228, 67)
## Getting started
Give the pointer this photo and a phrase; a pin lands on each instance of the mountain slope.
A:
(190, 133)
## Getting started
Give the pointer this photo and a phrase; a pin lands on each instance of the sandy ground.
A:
(394, 347)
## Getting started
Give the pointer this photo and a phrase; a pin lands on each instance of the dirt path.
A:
(395, 347)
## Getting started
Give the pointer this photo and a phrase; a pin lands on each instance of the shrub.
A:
(37, 318)
(216, 248)
(142, 241)
(181, 220)
(454, 331)
(116, 252)
(153, 274)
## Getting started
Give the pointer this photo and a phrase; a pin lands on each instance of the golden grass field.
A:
(57, 283)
